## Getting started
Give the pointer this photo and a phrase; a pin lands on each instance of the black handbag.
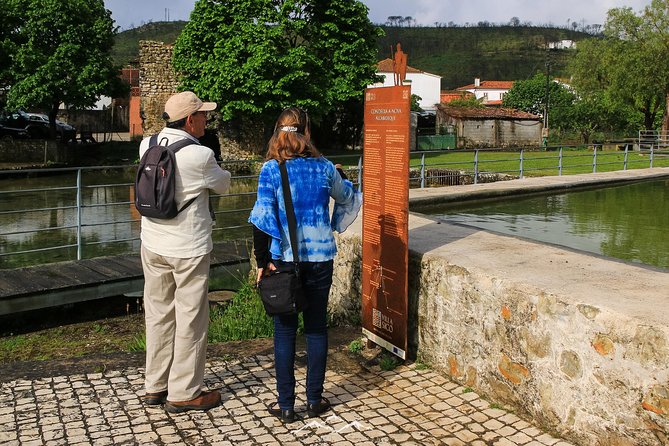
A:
(281, 291)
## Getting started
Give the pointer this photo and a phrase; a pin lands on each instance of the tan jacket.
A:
(189, 233)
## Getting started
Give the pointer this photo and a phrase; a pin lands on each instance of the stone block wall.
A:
(498, 133)
(239, 140)
(157, 82)
(583, 369)
(37, 151)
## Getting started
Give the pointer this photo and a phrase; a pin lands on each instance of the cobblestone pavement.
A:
(405, 406)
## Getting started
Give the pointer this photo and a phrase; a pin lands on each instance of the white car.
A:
(64, 131)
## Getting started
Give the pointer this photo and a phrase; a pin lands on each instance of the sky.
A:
(132, 13)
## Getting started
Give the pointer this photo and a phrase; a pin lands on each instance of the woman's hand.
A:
(265, 271)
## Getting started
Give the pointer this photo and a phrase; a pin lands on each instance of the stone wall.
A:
(35, 151)
(157, 82)
(584, 355)
(242, 139)
(473, 133)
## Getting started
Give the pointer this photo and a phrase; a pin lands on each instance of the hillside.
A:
(126, 45)
(458, 54)
(491, 53)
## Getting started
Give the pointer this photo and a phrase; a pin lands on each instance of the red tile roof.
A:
(447, 96)
(490, 85)
(486, 113)
(386, 66)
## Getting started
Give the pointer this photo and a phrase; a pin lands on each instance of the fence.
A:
(50, 215)
(436, 142)
(652, 138)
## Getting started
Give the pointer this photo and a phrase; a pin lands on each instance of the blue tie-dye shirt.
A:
(312, 182)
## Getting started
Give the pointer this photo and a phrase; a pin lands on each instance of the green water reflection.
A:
(39, 213)
(629, 222)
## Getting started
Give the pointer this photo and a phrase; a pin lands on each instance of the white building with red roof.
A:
(490, 92)
(425, 85)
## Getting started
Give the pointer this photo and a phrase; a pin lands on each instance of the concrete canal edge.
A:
(577, 343)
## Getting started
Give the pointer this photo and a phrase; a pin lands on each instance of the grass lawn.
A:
(537, 163)
(541, 163)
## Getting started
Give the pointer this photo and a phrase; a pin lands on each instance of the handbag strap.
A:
(290, 211)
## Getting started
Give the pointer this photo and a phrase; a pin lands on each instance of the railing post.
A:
(521, 163)
(594, 158)
(560, 162)
(422, 171)
(651, 155)
(79, 241)
(625, 159)
(476, 166)
(360, 173)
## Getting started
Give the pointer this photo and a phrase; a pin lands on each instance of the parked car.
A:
(12, 133)
(65, 132)
(18, 122)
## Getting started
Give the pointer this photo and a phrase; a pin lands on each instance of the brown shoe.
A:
(204, 401)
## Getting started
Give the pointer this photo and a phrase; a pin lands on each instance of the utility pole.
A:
(547, 95)
(544, 132)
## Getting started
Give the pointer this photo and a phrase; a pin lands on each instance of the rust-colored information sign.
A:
(385, 214)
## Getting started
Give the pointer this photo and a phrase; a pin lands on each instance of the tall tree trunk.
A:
(52, 119)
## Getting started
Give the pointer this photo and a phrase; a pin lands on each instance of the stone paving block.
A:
(493, 425)
(507, 431)
(546, 439)
(467, 436)
(520, 438)
(454, 442)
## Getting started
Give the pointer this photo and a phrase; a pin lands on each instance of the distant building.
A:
(490, 127)
(131, 76)
(426, 85)
(489, 92)
(562, 45)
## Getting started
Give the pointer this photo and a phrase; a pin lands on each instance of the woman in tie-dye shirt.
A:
(313, 180)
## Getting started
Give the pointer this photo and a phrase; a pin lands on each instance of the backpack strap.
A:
(178, 145)
(175, 147)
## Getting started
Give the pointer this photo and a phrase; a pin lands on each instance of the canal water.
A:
(39, 212)
(628, 222)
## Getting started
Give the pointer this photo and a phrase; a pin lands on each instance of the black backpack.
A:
(155, 180)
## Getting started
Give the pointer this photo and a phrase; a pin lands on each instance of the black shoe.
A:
(314, 410)
(285, 415)
(154, 398)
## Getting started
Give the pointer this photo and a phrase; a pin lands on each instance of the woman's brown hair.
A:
(292, 137)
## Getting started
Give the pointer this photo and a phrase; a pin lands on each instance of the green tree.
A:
(415, 103)
(629, 64)
(255, 57)
(61, 54)
(530, 96)
(8, 25)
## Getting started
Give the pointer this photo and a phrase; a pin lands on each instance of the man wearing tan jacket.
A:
(175, 259)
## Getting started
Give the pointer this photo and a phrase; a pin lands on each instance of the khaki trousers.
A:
(176, 310)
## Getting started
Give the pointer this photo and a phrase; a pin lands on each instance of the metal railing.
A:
(75, 213)
(455, 167)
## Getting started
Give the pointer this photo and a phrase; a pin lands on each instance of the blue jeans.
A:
(316, 280)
